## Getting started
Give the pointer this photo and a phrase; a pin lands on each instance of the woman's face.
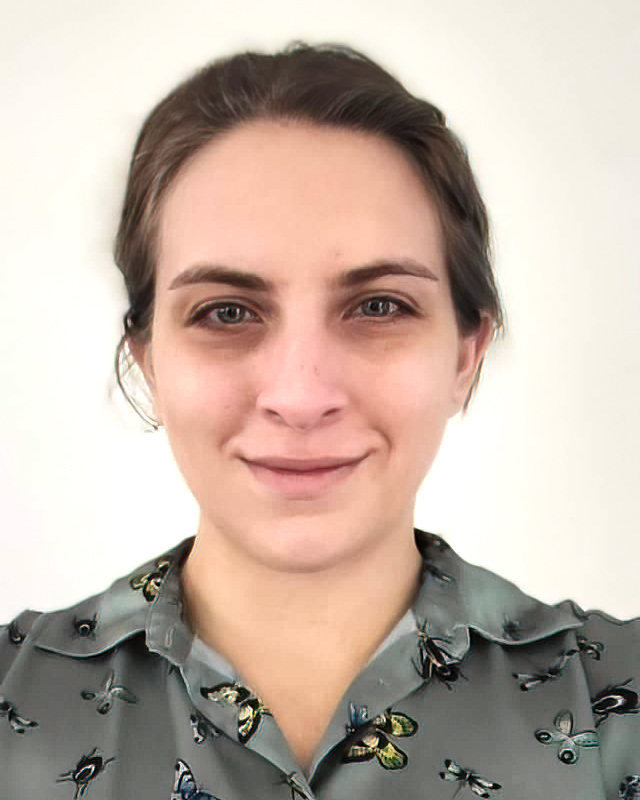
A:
(301, 361)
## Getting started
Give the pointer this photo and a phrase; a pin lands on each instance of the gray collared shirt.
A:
(479, 691)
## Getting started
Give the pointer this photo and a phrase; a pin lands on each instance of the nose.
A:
(302, 378)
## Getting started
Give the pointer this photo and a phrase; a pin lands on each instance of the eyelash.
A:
(200, 317)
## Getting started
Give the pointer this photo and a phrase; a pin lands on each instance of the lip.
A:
(303, 465)
(300, 483)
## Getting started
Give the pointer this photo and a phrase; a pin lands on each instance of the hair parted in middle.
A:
(325, 84)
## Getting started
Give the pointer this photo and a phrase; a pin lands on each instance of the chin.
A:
(304, 546)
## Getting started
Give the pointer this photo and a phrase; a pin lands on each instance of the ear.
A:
(471, 350)
(142, 355)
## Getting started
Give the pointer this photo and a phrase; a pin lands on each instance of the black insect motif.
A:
(512, 629)
(202, 729)
(434, 661)
(108, 693)
(568, 742)
(15, 634)
(615, 700)
(85, 627)
(150, 582)
(592, 649)
(375, 740)
(467, 778)
(630, 788)
(251, 710)
(86, 770)
(531, 680)
(185, 787)
(437, 573)
(296, 789)
(18, 724)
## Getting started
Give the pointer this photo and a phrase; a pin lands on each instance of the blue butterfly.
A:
(184, 786)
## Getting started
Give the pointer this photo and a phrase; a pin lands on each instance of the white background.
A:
(539, 483)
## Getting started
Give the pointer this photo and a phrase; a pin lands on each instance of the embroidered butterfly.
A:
(468, 779)
(375, 741)
(251, 710)
(530, 681)
(184, 785)
(108, 693)
(630, 788)
(18, 724)
(615, 700)
(150, 582)
(592, 649)
(86, 770)
(434, 660)
(568, 742)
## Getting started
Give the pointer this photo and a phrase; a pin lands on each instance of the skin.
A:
(308, 371)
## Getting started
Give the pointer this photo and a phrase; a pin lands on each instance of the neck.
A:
(230, 597)
(300, 637)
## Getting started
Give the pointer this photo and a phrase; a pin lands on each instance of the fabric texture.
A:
(480, 691)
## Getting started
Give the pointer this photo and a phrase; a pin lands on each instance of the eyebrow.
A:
(218, 273)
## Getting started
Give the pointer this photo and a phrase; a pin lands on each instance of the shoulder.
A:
(12, 638)
(610, 654)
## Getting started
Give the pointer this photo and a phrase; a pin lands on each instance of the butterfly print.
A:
(434, 660)
(108, 693)
(251, 710)
(468, 778)
(568, 742)
(19, 725)
(296, 790)
(592, 649)
(86, 770)
(202, 729)
(375, 741)
(630, 788)
(358, 718)
(15, 634)
(150, 582)
(184, 786)
(530, 681)
(615, 700)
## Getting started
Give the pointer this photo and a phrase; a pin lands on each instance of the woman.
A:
(311, 299)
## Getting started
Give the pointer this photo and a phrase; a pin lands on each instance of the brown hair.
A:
(327, 84)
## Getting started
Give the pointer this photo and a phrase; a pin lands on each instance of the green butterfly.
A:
(150, 582)
(251, 709)
(375, 740)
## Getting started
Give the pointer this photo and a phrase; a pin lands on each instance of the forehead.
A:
(274, 195)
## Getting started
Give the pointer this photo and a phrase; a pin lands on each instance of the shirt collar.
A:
(455, 598)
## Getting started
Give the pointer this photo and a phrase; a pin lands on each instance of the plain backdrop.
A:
(538, 483)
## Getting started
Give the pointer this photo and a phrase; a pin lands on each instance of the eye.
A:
(233, 315)
(379, 304)
(210, 315)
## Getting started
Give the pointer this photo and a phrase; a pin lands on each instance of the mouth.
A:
(300, 482)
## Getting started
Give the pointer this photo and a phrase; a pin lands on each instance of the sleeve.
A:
(610, 653)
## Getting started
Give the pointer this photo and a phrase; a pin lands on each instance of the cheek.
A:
(192, 395)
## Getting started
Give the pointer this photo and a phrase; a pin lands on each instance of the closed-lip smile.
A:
(303, 465)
